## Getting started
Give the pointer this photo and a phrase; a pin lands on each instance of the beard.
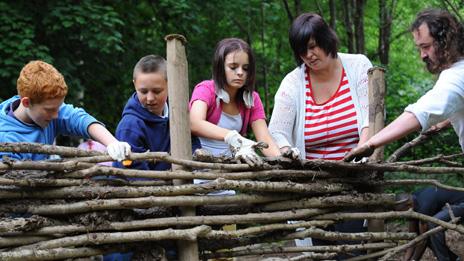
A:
(434, 67)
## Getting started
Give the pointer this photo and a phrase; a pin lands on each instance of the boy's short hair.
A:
(40, 81)
(151, 64)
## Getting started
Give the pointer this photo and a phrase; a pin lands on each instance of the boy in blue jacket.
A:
(38, 114)
(145, 119)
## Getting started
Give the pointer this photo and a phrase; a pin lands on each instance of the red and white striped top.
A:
(331, 128)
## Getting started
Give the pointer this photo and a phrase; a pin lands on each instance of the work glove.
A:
(243, 149)
(118, 150)
(357, 154)
(291, 153)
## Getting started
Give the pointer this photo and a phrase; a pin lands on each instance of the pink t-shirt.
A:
(205, 91)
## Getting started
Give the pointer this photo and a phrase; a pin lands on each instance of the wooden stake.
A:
(181, 143)
(376, 123)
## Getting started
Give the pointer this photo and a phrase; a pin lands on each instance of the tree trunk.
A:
(385, 30)
(333, 14)
(359, 25)
(347, 10)
(298, 8)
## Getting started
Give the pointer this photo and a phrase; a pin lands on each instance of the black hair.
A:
(311, 26)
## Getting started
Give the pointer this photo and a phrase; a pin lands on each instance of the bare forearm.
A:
(205, 129)
(400, 127)
(364, 136)
(99, 133)
(262, 134)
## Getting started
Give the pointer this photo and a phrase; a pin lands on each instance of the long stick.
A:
(275, 249)
(188, 189)
(145, 202)
(9, 228)
(121, 237)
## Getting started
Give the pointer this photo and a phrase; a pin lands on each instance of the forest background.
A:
(95, 45)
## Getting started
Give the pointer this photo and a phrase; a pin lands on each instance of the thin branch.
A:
(391, 214)
(90, 192)
(277, 248)
(120, 237)
(54, 253)
(437, 158)
(8, 228)
(416, 240)
(144, 202)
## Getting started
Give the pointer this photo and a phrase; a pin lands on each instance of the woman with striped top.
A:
(321, 107)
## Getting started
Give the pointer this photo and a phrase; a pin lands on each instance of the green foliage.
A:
(17, 45)
(95, 44)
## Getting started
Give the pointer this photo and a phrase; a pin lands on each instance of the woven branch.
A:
(392, 214)
(179, 174)
(89, 192)
(145, 202)
(276, 249)
(333, 201)
(121, 237)
(52, 254)
(7, 228)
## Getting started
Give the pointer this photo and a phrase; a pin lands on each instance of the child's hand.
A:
(243, 148)
(118, 150)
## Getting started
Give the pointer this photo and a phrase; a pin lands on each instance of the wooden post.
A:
(376, 123)
(181, 142)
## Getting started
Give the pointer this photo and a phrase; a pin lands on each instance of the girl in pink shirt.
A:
(221, 109)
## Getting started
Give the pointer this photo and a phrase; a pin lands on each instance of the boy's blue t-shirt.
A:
(71, 121)
(145, 131)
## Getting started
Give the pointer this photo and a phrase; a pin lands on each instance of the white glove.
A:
(243, 148)
(292, 153)
(361, 161)
(118, 150)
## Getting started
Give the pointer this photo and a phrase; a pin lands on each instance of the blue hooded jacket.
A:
(71, 121)
(145, 131)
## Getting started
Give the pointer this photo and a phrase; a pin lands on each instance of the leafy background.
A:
(95, 45)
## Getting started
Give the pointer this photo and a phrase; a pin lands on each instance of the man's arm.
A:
(116, 149)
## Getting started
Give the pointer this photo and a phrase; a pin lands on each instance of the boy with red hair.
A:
(38, 114)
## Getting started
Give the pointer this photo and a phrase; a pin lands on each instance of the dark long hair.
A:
(223, 48)
(448, 35)
(309, 26)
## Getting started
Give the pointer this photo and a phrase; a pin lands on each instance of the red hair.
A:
(40, 81)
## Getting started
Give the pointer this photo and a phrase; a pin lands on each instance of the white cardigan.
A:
(287, 120)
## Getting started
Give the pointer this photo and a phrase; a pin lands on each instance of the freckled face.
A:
(236, 69)
(152, 91)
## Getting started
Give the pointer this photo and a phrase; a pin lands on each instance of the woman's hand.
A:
(360, 152)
